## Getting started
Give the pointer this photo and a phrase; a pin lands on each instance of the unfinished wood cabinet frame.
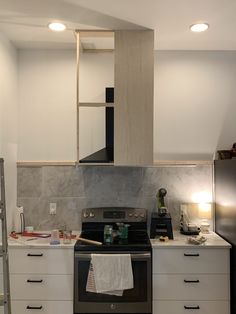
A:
(83, 34)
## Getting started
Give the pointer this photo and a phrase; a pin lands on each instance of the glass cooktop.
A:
(137, 240)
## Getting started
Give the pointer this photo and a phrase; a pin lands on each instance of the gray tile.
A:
(29, 181)
(63, 181)
(37, 213)
(112, 182)
(99, 186)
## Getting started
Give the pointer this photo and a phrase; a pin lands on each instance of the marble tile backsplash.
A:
(73, 189)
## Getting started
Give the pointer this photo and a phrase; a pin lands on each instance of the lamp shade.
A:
(204, 210)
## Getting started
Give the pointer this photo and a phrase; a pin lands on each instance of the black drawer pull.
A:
(191, 281)
(197, 307)
(191, 254)
(34, 307)
(37, 280)
(30, 254)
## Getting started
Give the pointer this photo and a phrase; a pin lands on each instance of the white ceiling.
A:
(24, 21)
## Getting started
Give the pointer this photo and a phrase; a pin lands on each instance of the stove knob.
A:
(142, 215)
(130, 215)
(113, 306)
(91, 215)
(136, 215)
(86, 215)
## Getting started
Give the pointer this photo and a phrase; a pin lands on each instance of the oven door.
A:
(136, 300)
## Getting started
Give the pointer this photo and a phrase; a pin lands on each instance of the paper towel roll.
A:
(17, 219)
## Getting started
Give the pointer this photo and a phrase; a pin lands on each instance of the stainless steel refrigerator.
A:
(225, 222)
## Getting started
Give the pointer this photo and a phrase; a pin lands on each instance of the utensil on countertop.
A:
(89, 241)
(36, 234)
(31, 239)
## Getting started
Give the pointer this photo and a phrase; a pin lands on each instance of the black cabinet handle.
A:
(37, 280)
(30, 254)
(191, 254)
(197, 307)
(34, 307)
(191, 281)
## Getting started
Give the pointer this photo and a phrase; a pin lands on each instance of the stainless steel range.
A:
(137, 244)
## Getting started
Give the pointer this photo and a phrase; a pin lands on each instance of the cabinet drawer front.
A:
(191, 287)
(41, 287)
(204, 261)
(42, 307)
(185, 307)
(41, 261)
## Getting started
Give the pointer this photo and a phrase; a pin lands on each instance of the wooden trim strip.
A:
(157, 163)
(77, 92)
(94, 50)
(86, 33)
(40, 163)
(94, 104)
(182, 162)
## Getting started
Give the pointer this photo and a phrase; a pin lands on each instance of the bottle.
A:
(18, 220)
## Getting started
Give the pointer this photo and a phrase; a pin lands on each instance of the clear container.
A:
(108, 234)
(67, 236)
(55, 237)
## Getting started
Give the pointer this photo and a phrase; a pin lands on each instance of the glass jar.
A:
(67, 235)
(108, 234)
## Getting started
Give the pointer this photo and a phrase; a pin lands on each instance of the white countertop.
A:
(180, 241)
(39, 242)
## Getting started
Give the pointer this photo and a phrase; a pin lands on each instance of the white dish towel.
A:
(110, 274)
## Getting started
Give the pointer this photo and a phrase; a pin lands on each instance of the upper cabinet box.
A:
(133, 102)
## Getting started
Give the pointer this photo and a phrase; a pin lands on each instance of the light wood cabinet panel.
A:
(133, 116)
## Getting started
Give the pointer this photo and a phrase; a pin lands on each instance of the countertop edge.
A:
(214, 241)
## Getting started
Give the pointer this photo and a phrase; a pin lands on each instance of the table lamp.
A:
(204, 212)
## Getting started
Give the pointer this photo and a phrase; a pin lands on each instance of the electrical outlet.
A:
(52, 208)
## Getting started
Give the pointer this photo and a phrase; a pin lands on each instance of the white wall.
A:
(96, 73)
(8, 120)
(194, 103)
(47, 111)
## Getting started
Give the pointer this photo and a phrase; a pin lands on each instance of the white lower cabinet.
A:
(191, 280)
(185, 307)
(46, 307)
(190, 287)
(41, 280)
(41, 287)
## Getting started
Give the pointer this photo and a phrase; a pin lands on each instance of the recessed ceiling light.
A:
(199, 27)
(57, 27)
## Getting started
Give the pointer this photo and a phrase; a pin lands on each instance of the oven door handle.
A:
(134, 257)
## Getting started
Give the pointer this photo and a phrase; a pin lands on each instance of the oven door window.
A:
(137, 294)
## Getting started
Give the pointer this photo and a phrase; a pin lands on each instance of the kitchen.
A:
(192, 82)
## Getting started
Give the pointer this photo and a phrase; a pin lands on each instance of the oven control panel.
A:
(114, 214)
